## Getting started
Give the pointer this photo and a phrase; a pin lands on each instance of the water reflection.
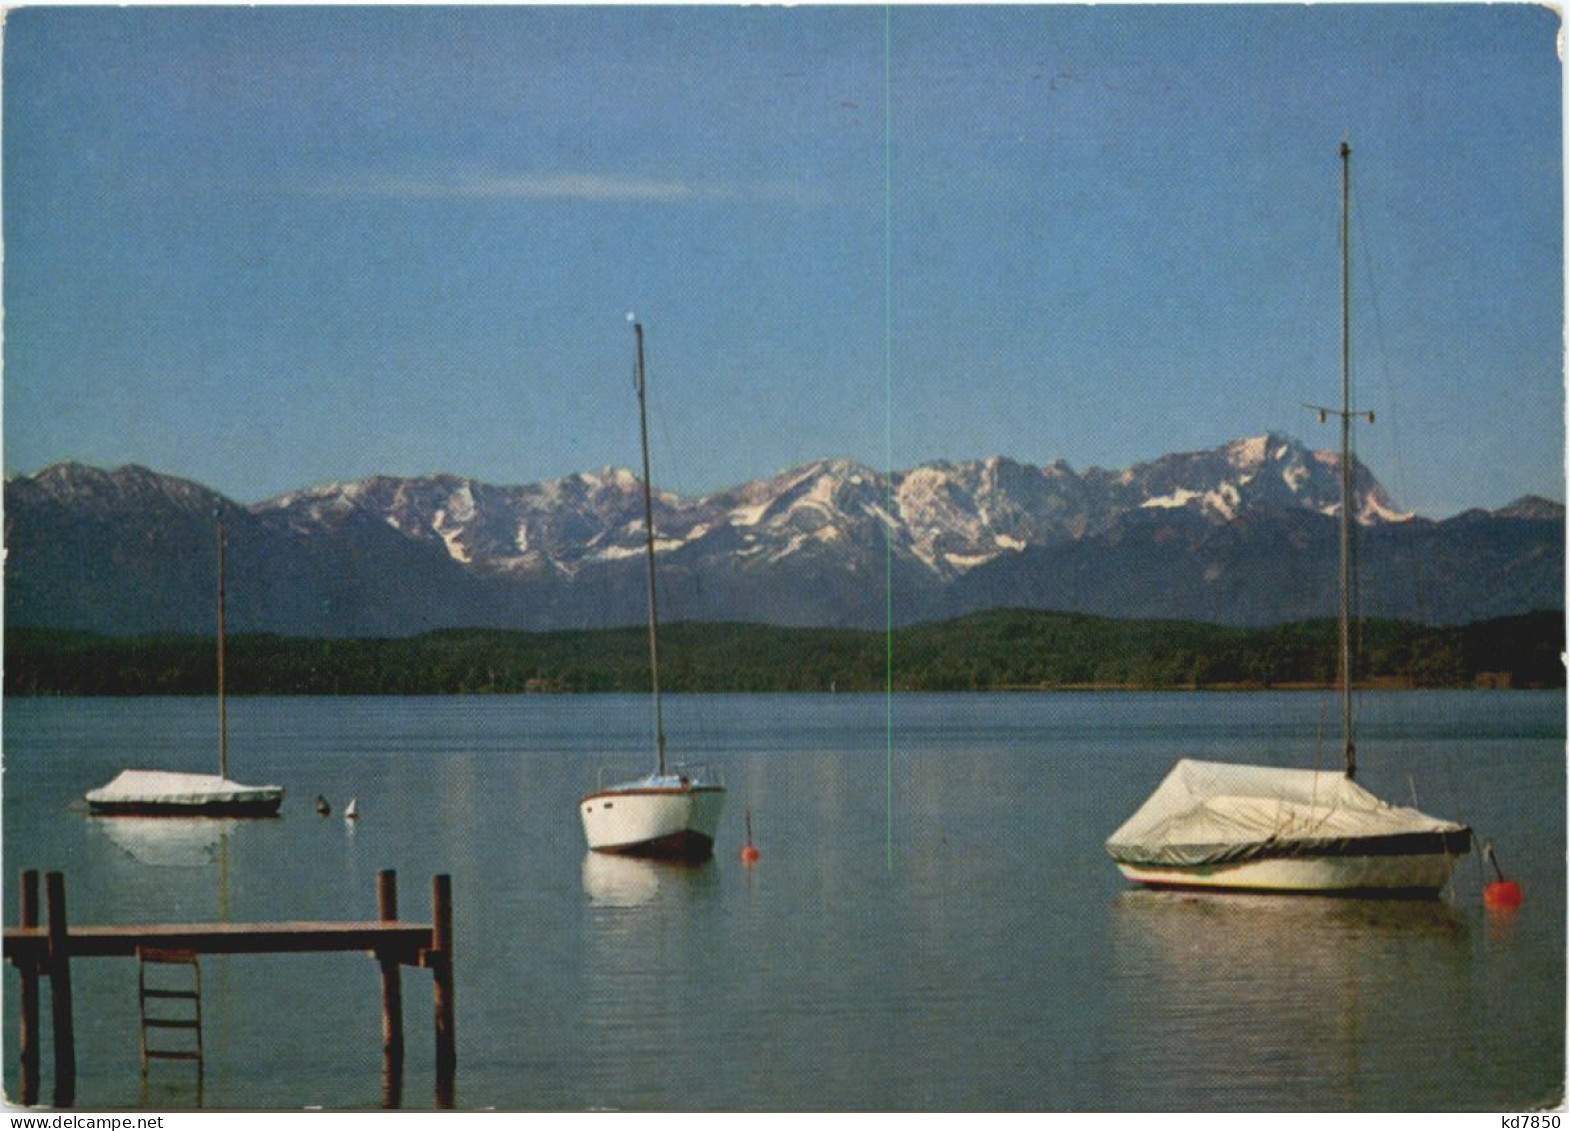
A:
(646, 964)
(625, 881)
(1301, 993)
(166, 842)
(1255, 922)
(1500, 924)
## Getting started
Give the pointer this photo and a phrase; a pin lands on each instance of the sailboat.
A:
(675, 810)
(166, 793)
(1218, 825)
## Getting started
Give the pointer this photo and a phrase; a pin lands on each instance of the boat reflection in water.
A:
(1229, 997)
(631, 881)
(165, 843)
(147, 848)
(647, 957)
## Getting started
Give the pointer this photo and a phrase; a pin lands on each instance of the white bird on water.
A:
(351, 811)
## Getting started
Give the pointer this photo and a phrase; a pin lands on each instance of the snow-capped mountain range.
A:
(1207, 534)
(945, 517)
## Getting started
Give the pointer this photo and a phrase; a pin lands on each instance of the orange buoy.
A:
(1502, 895)
(749, 851)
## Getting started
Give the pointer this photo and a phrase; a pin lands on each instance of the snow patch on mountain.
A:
(747, 516)
(454, 542)
(1248, 453)
(1178, 498)
(1375, 510)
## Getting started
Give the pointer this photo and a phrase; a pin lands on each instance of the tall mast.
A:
(223, 707)
(648, 523)
(1350, 747)
(1346, 413)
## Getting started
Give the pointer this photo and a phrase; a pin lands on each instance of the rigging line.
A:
(1319, 747)
(682, 602)
(1420, 599)
(1327, 232)
(888, 434)
(1299, 324)
(648, 522)
(1355, 582)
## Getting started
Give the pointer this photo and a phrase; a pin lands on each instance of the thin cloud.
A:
(562, 186)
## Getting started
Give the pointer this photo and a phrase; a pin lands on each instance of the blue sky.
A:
(268, 248)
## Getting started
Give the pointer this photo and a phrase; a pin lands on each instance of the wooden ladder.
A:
(190, 991)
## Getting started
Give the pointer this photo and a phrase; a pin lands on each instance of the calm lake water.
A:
(982, 952)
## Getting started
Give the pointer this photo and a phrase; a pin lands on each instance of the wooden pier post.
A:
(446, 1004)
(392, 996)
(27, 1022)
(59, 964)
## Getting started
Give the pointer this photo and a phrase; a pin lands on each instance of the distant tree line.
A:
(987, 651)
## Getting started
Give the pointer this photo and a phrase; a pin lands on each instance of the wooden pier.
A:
(47, 950)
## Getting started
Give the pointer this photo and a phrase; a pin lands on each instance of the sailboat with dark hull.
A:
(674, 811)
(167, 793)
(1265, 828)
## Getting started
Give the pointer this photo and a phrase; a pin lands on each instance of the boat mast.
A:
(1346, 413)
(223, 707)
(648, 524)
(1349, 745)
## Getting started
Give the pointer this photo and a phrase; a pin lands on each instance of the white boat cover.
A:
(1215, 812)
(161, 787)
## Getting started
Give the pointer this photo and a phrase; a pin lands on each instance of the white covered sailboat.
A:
(1265, 828)
(164, 793)
(675, 810)
(1217, 825)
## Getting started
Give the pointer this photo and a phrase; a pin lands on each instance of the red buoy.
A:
(749, 852)
(1502, 895)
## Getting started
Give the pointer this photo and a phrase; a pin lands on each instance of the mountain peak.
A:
(1249, 452)
(1532, 506)
(621, 478)
(835, 466)
(128, 484)
(1268, 447)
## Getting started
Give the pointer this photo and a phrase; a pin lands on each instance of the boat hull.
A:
(1421, 875)
(256, 807)
(673, 823)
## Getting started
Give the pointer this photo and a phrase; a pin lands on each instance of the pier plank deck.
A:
(405, 939)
